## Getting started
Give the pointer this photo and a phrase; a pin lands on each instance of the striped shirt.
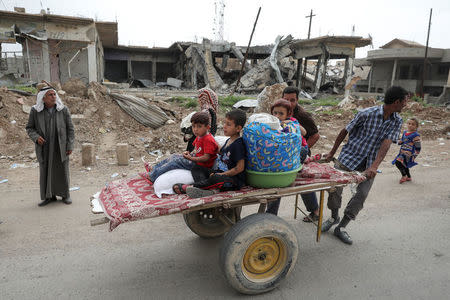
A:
(367, 131)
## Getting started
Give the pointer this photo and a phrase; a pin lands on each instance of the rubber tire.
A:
(215, 228)
(240, 237)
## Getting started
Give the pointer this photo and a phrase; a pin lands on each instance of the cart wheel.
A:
(258, 253)
(206, 223)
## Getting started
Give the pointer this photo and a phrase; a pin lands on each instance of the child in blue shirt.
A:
(409, 149)
(230, 172)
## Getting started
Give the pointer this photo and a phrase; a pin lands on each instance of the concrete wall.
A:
(79, 66)
(14, 65)
(141, 69)
(381, 77)
(404, 53)
(164, 70)
(153, 65)
(116, 70)
(408, 75)
(32, 50)
(100, 61)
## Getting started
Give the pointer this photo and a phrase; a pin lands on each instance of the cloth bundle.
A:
(270, 150)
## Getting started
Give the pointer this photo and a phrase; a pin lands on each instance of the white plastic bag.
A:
(268, 119)
(163, 184)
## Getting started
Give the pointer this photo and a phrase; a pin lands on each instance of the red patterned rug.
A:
(133, 199)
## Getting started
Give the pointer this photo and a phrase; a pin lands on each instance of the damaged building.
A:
(146, 65)
(54, 47)
(400, 62)
(322, 50)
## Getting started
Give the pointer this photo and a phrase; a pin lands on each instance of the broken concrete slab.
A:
(273, 60)
(76, 118)
(174, 82)
(304, 94)
(26, 109)
(268, 96)
(246, 103)
(142, 83)
(261, 74)
(237, 52)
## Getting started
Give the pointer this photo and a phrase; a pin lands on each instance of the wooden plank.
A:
(99, 221)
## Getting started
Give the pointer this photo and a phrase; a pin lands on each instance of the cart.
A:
(258, 251)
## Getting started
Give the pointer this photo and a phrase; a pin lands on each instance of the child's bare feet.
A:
(403, 179)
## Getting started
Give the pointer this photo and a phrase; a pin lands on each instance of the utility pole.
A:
(426, 55)
(310, 16)
(246, 54)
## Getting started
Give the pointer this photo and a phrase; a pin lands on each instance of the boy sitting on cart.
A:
(230, 172)
(200, 161)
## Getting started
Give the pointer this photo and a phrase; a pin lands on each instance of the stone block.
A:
(122, 154)
(174, 82)
(87, 154)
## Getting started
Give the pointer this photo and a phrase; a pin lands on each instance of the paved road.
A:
(400, 251)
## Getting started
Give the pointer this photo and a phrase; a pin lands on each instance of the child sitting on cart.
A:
(199, 161)
(282, 109)
(230, 172)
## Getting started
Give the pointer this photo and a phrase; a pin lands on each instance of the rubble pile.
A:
(97, 119)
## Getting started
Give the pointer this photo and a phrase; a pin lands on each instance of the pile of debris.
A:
(97, 118)
(276, 68)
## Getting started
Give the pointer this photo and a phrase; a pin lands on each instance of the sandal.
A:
(148, 167)
(312, 217)
(178, 188)
(194, 192)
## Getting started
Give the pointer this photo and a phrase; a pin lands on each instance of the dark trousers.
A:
(200, 173)
(220, 182)
(309, 199)
(403, 170)
(356, 202)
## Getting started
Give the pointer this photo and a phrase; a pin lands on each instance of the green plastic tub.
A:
(267, 180)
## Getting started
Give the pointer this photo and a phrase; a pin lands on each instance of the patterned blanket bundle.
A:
(270, 150)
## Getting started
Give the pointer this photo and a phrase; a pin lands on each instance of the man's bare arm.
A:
(312, 140)
(339, 139)
(372, 170)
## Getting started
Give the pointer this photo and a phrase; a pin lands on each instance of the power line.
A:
(4, 4)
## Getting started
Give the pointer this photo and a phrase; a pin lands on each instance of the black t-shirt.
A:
(306, 120)
(230, 155)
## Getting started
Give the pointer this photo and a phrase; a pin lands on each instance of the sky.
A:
(160, 23)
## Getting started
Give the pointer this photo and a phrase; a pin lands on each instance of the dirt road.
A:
(400, 251)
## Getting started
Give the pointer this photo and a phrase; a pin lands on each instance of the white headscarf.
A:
(39, 106)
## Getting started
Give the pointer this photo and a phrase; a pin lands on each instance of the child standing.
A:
(199, 161)
(409, 149)
(229, 174)
(282, 109)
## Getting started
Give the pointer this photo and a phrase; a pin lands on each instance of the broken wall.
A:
(141, 69)
(116, 70)
(32, 50)
(79, 67)
(14, 65)
(165, 70)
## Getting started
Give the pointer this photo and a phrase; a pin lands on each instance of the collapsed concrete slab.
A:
(202, 63)
(261, 75)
